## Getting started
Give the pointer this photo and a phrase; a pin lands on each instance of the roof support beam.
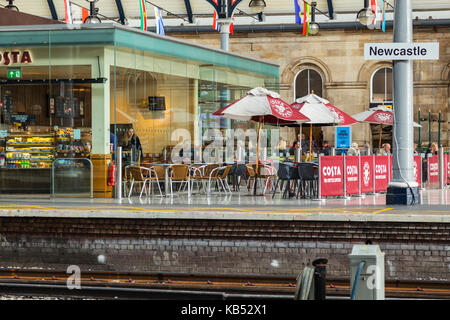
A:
(230, 4)
(121, 12)
(330, 9)
(187, 3)
(51, 6)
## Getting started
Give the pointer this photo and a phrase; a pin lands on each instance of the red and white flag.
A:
(68, 12)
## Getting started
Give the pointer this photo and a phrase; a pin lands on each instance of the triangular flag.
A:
(68, 12)
(84, 14)
(159, 22)
(143, 11)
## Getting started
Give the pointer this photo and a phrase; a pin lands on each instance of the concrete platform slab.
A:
(433, 208)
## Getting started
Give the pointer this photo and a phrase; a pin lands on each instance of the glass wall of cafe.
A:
(169, 104)
(60, 102)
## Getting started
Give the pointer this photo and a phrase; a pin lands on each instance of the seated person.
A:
(353, 150)
(326, 149)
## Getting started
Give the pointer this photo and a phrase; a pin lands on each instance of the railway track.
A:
(107, 284)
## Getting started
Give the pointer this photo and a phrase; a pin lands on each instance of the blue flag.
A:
(298, 12)
(159, 22)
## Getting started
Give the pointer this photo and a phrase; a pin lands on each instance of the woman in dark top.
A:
(131, 142)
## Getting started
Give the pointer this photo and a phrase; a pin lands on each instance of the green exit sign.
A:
(14, 74)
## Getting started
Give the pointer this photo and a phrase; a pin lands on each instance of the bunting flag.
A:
(68, 11)
(298, 12)
(232, 25)
(383, 16)
(84, 14)
(306, 18)
(215, 24)
(374, 6)
(159, 22)
(143, 15)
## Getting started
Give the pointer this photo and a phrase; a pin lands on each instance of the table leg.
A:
(166, 180)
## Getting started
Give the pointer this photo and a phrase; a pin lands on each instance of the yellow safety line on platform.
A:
(383, 210)
(190, 210)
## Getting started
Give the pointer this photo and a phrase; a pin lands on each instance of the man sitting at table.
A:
(353, 150)
(326, 150)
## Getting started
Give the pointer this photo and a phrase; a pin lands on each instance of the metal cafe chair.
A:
(287, 172)
(137, 176)
(179, 173)
(223, 177)
(157, 174)
(209, 173)
(269, 173)
(238, 171)
(308, 174)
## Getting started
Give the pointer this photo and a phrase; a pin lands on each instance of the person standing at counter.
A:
(130, 142)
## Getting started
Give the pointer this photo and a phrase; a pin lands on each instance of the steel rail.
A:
(267, 285)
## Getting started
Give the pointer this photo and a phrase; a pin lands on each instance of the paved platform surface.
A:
(434, 208)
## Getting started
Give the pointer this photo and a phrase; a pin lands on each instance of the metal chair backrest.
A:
(225, 172)
(158, 172)
(209, 169)
(251, 172)
(308, 171)
(287, 171)
(136, 173)
(180, 172)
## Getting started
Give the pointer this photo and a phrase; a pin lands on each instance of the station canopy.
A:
(195, 13)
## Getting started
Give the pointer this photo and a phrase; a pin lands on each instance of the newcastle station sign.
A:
(401, 51)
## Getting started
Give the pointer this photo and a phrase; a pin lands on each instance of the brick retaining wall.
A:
(413, 250)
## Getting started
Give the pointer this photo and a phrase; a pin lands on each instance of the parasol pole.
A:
(310, 136)
(310, 141)
(379, 142)
(257, 156)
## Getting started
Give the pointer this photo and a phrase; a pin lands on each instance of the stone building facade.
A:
(338, 56)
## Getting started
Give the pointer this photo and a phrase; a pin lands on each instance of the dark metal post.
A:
(320, 278)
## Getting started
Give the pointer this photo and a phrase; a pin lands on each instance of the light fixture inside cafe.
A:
(11, 6)
(257, 6)
(366, 15)
(92, 18)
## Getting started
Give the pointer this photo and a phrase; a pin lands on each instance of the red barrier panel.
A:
(447, 168)
(433, 169)
(352, 174)
(331, 176)
(391, 166)
(366, 166)
(381, 173)
(418, 170)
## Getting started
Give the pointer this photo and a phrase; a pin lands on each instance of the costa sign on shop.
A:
(8, 58)
(366, 163)
(352, 175)
(381, 173)
(331, 176)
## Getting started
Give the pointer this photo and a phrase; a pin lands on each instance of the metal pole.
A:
(420, 137)
(403, 189)
(119, 172)
(320, 278)
(441, 168)
(439, 129)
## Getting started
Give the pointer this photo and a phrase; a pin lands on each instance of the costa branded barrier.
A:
(352, 175)
(381, 178)
(418, 170)
(361, 174)
(331, 176)
(447, 168)
(433, 169)
(367, 174)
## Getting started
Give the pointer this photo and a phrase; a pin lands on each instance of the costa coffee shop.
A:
(65, 88)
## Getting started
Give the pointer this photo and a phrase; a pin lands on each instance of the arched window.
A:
(381, 87)
(306, 81)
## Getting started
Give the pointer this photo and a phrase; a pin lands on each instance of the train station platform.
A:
(434, 207)
(225, 234)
